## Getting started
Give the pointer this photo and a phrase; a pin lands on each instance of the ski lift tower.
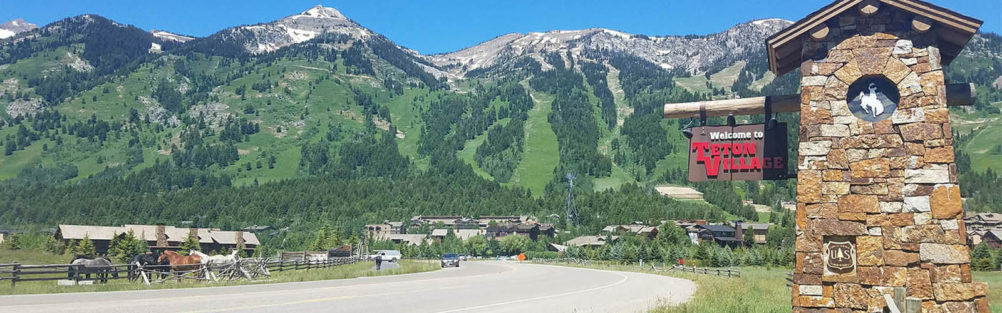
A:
(570, 210)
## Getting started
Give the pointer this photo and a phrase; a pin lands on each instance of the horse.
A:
(216, 261)
(100, 266)
(141, 261)
(870, 103)
(180, 263)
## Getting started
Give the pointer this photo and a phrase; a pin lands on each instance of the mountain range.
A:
(315, 92)
(12, 27)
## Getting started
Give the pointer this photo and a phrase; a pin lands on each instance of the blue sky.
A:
(432, 26)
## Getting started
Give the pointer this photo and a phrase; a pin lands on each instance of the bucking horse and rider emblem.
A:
(873, 99)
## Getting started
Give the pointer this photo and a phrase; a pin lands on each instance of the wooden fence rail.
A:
(728, 272)
(23, 272)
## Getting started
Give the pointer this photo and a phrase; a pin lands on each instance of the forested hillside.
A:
(105, 123)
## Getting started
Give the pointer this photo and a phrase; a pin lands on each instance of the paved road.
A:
(474, 287)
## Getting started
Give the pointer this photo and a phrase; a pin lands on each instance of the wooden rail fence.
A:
(728, 272)
(16, 272)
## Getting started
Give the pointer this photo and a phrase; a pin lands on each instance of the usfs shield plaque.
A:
(840, 257)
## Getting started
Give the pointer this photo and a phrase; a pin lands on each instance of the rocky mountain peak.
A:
(693, 54)
(267, 37)
(15, 26)
(321, 12)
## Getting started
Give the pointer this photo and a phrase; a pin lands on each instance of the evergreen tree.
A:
(126, 246)
(13, 242)
(85, 247)
(190, 243)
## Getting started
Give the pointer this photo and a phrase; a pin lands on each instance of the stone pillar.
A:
(240, 239)
(878, 201)
(161, 236)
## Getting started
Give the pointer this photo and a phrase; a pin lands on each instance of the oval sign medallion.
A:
(873, 98)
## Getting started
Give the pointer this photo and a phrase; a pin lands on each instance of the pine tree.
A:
(86, 247)
(190, 243)
(12, 242)
(126, 246)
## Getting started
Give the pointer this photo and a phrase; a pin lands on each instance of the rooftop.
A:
(952, 30)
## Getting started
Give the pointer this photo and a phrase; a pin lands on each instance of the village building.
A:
(757, 230)
(485, 221)
(461, 234)
(158, 237)
(530, 229)
(385, 228)
(723, 235)
(639, 229)
(407, 239)
(446, 221)
(983, 221)
(992, 238)
(596, 241)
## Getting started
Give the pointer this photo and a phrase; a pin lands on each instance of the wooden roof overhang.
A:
(952, 29)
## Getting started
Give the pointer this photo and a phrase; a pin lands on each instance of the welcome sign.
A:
(742, 152)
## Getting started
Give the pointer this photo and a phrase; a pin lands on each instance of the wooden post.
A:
(913, 305)
(16, 269)
(899, 297)
(956, 95)
(146, 280)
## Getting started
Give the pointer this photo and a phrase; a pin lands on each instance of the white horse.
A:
(870, 103)
(216, 261)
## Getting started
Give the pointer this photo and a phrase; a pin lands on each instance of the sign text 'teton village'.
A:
(743, 152)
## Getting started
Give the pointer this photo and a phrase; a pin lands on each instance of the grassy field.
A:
(983, 147)
(759, 290)
(541, 154)
(470, 148)
(363, 269)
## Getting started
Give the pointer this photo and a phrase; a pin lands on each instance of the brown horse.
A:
(180, 263)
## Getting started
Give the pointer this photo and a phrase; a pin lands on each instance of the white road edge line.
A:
(620, 282)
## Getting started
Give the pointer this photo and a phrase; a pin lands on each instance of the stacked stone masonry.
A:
(890, 186)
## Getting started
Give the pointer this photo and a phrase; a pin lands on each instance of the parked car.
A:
(462, 257)
(450, 259)
(387, 255)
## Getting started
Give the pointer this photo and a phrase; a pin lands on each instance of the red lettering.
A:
(750, 148)
(755, 164)
(712, 164)
(737, 149)
(777, 162)
(715, 149)
(699, 146)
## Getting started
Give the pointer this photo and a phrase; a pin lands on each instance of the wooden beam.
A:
(921, 24)
(820, 32)
(745, 106)
(960, 94)
(869, 7)
(956, 95)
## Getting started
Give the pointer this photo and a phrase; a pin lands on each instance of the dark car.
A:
(450, 259)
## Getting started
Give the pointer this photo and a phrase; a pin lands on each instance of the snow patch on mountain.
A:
(14, 27)
(302, 27)
(693, 54)
(170, 36)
